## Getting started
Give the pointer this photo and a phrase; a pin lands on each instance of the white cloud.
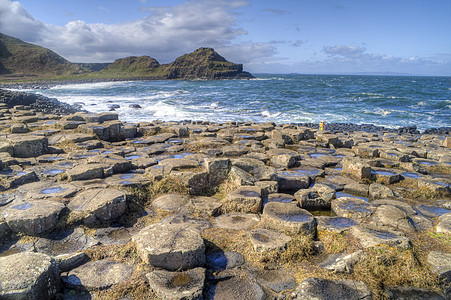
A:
(165, 34)
(345, 51)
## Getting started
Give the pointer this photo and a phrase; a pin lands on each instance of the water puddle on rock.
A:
(52, 190)
(343, 194)
(23, 206)
(410, 175)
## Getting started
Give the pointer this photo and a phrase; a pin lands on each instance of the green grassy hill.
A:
(24, 59)
(24, 62)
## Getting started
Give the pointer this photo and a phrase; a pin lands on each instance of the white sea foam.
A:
(267, 114)
(90, 86)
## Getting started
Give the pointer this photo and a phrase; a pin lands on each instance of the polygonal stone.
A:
(186, 285)
(85, 172)
(29, 275)
(341, 263)
(206, 205)
(276, 280)
(27, 145)
(387, 215)
(356, 168)
(171, 202)
(236, 287)
(411, 293)
(440, 263)
(317, 197)
(444, 225)
(350, 207)
(237, 221)
(218, 169)
(379, 191)
(256, 168)
(97, 275)
(268, 240)
(319, 288)
(335, 224)
(199, 224)
(430, 211)
(33, 217)
(283, 160)
(171, 246)
(280, 197)
(288, 216)
(373, 236)
(99, 205)
(222, 260)
(292, 181)
(244, 199)
(196, 182)
(268, 187)
(241, 177)
(178, 163)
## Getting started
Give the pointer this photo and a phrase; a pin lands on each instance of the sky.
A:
(285, 36)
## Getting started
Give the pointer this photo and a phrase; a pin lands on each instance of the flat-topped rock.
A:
(33, 217)
(373, 236)
(170, 202)
(241, 286)
(186, 285)
(97, 275)
(20, 145)
(268, 240)
(440, 264)
(276, 280)
(356, 168)
(380, 191)
(388, 215)
(444, 225)
(237, 221)
(245, 199)
(171, 246)
(86, 172)
(187, 220)
(319, 288)
(178, 163)
(350, 207)
(98, 204)
(335, 224)
(29, 275)
(221, 260)
(208, 206)
(292, 181)
(317, 197)
(288, 216)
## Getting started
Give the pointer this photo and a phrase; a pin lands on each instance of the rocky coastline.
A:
(92, 207)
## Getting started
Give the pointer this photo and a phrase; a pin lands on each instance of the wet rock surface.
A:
(191, 209)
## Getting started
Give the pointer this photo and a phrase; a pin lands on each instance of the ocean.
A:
(389, 101)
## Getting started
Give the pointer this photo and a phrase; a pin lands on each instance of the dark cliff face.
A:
(204, 63)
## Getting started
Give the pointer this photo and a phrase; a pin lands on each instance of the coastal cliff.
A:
(24, 61)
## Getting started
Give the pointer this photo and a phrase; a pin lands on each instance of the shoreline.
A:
(29, 98)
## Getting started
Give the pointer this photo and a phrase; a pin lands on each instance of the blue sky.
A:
(302, 36)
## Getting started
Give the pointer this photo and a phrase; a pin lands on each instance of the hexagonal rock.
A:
(356, 168)
(440, 263)
(196, 182)
(187, 285)
(237, 221)
(99, 204)
(370, 236)
(283, 160)
(29, 275)
(97, 275)
(411, 293)
(280, 197)
(341, 263)
(171, 246)
(317, 197)
(171, 202)
(268, 240)
(319, 288)
(34, 217)
(379, 191)
(444, 225)
(291, 181)
(256, 168)
(218, 169)
(387, 215)
(236, 287)
(220, 260)
(288, 216)
(85, 172)
(335, 224)
(350, 207)
(244, 199)
(276, 280)
(178, 163)
(207, 205)
(27, 145)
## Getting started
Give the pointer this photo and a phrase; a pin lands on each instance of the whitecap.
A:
(267, 114)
